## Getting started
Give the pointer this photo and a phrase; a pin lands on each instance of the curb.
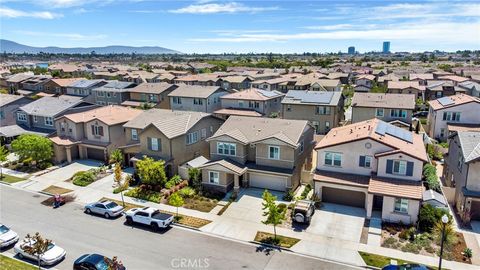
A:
(273, 246)
(5, 183)
(185, 226)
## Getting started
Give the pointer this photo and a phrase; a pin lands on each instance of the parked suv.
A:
(303, 211)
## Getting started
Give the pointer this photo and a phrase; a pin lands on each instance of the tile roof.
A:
(118, 84)
(421, 76)
(171, 123)
(454, 78)
(312, 97)
(194, 91)
(244, 112)
(254, 129)
(253, 94)
(152, 88)
(369, 130)
(460, 127)
(342, 178)
(405, 85)
(110, 115)
(233, 166)
(66, 82)
(51, 106)
(396, 188)
(85, 83)
(452, 101)
(379, 100)
(470, 145)
(365, 76)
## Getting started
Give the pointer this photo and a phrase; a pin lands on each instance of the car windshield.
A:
(101, 265)
(111, 205)
(3, 229)
(50, 246)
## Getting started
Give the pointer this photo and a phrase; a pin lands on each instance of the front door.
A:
(377, 202)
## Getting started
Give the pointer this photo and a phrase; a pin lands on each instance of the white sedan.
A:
(53, 254)
(7, 236)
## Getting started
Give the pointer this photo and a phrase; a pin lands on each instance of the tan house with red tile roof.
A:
(386, 107)
(373, 165)
(59, 86)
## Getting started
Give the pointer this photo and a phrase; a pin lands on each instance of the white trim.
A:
(218, 177)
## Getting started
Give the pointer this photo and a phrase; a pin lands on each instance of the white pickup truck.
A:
(148, 216)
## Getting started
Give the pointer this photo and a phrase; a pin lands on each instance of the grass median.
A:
(7, 263)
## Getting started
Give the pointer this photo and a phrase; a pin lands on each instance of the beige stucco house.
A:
(154, 94)
(407, 87)
(373, 165)
(386, 107)
(196, 98)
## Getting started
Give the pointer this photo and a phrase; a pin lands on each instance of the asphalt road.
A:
(137, 247)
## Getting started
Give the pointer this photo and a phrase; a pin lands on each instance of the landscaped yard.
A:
(11, 179)
(200, 203)
(85, 178)
(379, 260)
(7, 263)
(56, 190)
(282, 241)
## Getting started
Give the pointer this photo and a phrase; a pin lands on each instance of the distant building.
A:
(351, 50)
(386, 47)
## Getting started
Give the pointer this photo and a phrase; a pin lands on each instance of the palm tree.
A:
(450, 234)
(116, 156)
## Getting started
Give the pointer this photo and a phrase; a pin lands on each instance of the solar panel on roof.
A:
(445, 101)
(402, 134)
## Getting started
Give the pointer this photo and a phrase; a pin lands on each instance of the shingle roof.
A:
(194, 91)
(110, 115)
(470, 145)
(312, 97)
(379, 100)
(254, 129)
(241, 112)
(152, 88)
(51, 106)
(171, 123)
(421, 76)
(233, 166)
(253, 94)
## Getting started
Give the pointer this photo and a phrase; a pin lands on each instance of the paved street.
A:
(139, 248)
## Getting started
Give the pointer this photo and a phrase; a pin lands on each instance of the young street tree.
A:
(3, 157)
(274, 214)
(177, 201)
(33, 147)
(116, 156)
(36, 246)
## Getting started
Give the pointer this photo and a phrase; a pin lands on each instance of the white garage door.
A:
(268, 181)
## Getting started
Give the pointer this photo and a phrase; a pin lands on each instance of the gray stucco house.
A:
(112, 93)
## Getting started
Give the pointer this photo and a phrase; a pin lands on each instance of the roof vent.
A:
(351, 131)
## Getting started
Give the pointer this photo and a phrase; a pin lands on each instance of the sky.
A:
(206, 26)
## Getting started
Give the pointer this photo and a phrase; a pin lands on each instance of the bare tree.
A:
(36, 246)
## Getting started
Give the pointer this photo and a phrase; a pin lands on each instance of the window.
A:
(399, 167)
(21, 117)
(229, 149)
(460, 163)
(134, 134)
(379, 112)
(154, 143)
(48, 121)
(100, 94)
(323, 110)
(109, 94)
(398, 113)
(274, 152)
(289, 108)
(2, 115)
(327, 125)
(253, 104)
(438, 94)
(62, 126)
(333, 159)
(451, 116)
(97, 130)
(35, 119)
(442, 132)
(152, 98)
(240, 103)
(204, 134)
(192, 137)
(177, 100)
(401, 205)
(302, 146)
(197, 101)
(365, 161)
(213, 177)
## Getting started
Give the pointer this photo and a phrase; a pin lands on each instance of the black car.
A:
(93, 262)
(406, 267)
(421, 114)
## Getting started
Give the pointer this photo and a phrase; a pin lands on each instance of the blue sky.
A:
(244, 26)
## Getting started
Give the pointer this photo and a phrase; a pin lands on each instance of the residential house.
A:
(422, 78)
(66, 69)
(196, 98)
(251, 102)
(209, 79)
(459, 109)
(112, 93)
(33, 84)
(84, 87)
(59, 86)
(437, 89)
(326, 85)
(269, 85)
(154, 94)
(364, 82)
(14, 81)
(266, 153)
(323, 110)
(407, 87)
(386, 107)
(454, 79)
(172, 136)
(8, 105)
(91, 134)
(372, 165)
(462, 172)
(383, 80)
(472, 88)
(343, 77)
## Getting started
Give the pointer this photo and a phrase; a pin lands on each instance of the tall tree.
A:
(3, 158)
(35, 245)
(274, 214)
(33, 147)
(151, 172)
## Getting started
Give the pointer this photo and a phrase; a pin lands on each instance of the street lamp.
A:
(444, 221)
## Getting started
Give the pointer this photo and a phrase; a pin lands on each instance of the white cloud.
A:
(212, 8)
(69, 36)
(14, 13)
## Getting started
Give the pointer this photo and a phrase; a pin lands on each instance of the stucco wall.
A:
(417, 167)
(469, 114)
(363, 113)
(388, 213)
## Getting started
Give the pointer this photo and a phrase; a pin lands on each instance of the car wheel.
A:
(19, 255)
(88, 211)
(154, 227)
(129, 220)
(299, 218)
(106, 215)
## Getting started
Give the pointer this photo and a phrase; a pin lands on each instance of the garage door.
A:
(475, 212)
(343, 196)
(94, 153)
(268, 181)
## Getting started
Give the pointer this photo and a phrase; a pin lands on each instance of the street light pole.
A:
(444, 221)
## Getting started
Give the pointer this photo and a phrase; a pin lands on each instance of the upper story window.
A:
(198, 101)
(302, 146)
(379, 112)
(274, 152)
(460, 163)
(451, 116)
(204, 134)
(48, 121)
(154, 144)
(192, 137)
(177, 100)
(228, 149)
(134, 134)
(35, 119)
(323, 110)
(240, 103)
(401, 205)
(100, 94)
(399, 167)
(62, 126)
(365, 161)
(398, 113)
(333, 159)
(21, 117)
(97, 130)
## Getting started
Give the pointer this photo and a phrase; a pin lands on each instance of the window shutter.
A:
(159, 142)
(389, 166)
(93, 130)
(361, 162)
(409, 168)
(100, 130)
(149, 143)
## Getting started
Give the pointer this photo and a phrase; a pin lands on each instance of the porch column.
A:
(236, 183)
(369, 205)
(69, 154)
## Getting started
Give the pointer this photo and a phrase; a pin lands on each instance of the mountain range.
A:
(13, 47)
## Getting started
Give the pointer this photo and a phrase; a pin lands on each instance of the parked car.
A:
(303, 211)
(420, 114)
(53, 254)
(105, 208)
(148, 216)
(7, 236)
(93, 262)
(405, 267)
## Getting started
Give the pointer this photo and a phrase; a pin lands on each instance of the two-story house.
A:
(386, 107)
(407, 87)
(267, 153)
(235, 82)
(323, 110)
(422, 78)
(437, 89)
(91, 134)
(373, 165)
(155, 94)
(196, 98)
(172, 136)
(59, 86)
(364, 82)
(83, 87)
(251, 102)
(462, 171)
(112, 93)
(8, 105)
(458, 109)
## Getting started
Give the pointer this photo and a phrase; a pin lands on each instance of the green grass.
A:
(381, 261)
(56, 190)
(11, 179)
(7, 263)
(282, 241)
(147, 195)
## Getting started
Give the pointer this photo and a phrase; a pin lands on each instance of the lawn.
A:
(56, 190)
(381, 261)
(11, 179)
(7, 263)
(282, 241)
(200, 203)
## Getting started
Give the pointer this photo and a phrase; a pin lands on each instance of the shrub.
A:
(410, 247)
(83, 178)
(169, 184)
(431, 178)
(288, 196)
(144, 194)
(187, 192)
(281, 207)
(467, 252)
(119, 189)
(176, 179)
(428, 216)
(44, 164)
(389, 242)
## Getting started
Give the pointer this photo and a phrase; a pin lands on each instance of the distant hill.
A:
(13, 47)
